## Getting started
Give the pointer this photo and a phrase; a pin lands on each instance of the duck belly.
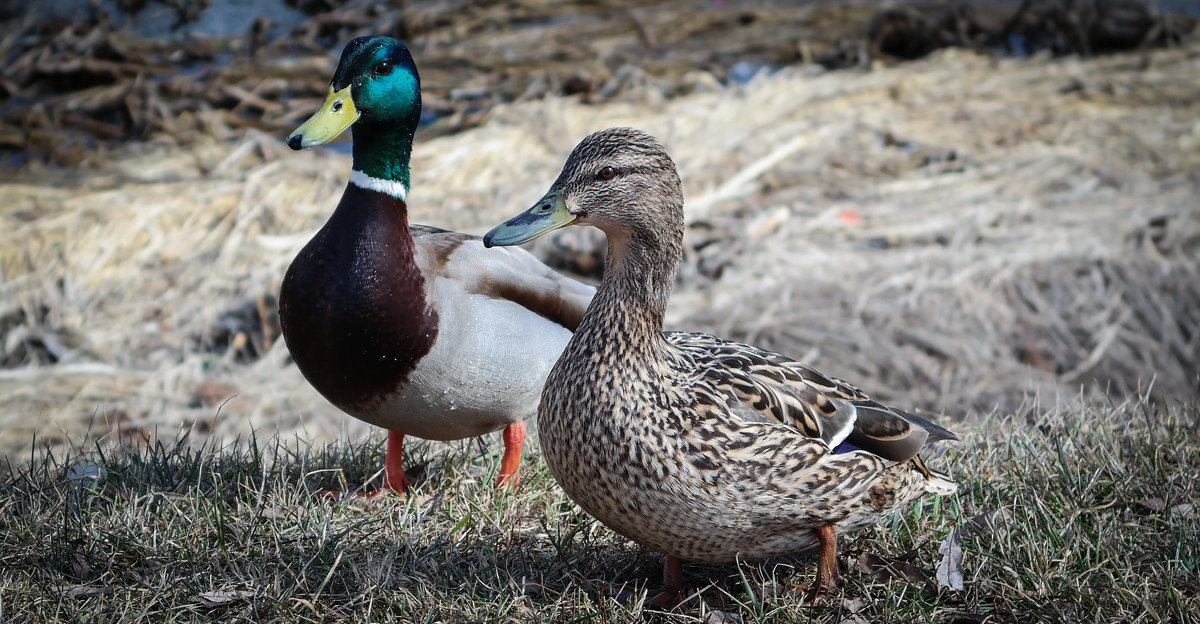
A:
(649, 489)
(702, 528)
(485, 371)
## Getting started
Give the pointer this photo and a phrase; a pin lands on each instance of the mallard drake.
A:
(700, 448)
(414, 329)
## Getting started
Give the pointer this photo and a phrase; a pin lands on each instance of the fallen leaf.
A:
(1152, 505)
(83, 591)
(220, 598)
(855, 605)
(949, 572)
(722, 617)
(991, 522)
(432, 504)
(894, 568)
(80, 566)
(285, 512)
(870, 563)
(536, 590)
(1186, 510)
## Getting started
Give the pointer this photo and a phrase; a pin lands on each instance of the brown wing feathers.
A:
(819, 406)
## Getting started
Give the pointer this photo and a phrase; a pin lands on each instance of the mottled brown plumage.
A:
(697, 447)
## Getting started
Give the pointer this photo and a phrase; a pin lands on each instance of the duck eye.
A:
(607, 173)
(384, 68)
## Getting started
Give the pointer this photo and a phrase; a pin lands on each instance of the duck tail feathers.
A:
(936, 482)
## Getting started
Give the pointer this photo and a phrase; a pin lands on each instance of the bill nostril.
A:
(294, 141)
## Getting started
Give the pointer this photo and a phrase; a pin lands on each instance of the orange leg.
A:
(828, 578)
(671, 595)
(514, 439)
(394, 478)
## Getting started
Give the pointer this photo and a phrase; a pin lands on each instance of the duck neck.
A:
(632, 297)
(381, 157)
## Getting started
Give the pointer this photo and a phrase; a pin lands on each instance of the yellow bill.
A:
(335, 115)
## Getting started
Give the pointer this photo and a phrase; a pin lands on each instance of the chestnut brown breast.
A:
(352, 305)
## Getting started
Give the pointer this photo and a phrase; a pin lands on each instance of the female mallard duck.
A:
(410, 328)
(700, 448)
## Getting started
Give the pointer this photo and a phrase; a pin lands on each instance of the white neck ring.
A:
(395, 188)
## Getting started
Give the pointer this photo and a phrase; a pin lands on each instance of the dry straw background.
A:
(958, 234)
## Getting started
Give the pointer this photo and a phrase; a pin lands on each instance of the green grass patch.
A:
(1083, 516)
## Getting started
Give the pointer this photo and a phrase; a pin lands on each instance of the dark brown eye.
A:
(383, 68)
(607, 173)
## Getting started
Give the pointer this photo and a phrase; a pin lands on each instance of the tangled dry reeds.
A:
(954, 234)
(72, 90)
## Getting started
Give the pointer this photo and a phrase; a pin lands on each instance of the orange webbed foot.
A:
(672, 593)
(395, 481)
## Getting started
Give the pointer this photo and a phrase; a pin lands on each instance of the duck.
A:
(418, 330)
(703, 449)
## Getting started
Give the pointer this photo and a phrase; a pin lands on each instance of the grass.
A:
(1077, 516)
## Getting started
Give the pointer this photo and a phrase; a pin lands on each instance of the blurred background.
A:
(966, 208)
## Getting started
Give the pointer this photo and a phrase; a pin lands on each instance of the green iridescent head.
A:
(377, 93)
